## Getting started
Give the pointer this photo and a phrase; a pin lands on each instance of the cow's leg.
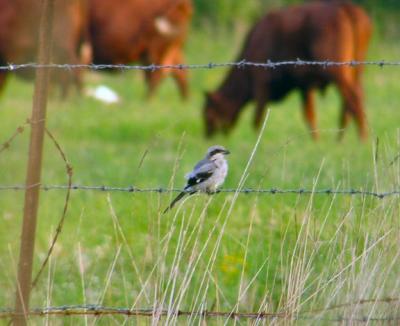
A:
(261, 101)
(351, 93)
(3, 77)
(65, 77)
(64, 84)
(77, 77)
(344, 121)
(170, 56)
(153, 79)
(308, 97)
(3, 74)
(160, 56)
(180, 75)
(260, 97)
(74, 76)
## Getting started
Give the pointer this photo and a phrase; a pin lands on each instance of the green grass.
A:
(275, 252)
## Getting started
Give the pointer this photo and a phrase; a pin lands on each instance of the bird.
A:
(207, 175)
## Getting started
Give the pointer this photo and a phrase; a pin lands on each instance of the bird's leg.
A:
(211, 192)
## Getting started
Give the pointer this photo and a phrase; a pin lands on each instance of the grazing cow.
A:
(337, 31)
(150, 32)
(19, 26)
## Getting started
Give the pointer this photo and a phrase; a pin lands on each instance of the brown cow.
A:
(151, 32)
(19, 26)
(337, 31)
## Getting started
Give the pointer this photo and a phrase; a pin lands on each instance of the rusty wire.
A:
(19, 130)
(101, 311)
(69, 173)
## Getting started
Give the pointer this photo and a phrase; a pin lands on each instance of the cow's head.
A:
(219, 114)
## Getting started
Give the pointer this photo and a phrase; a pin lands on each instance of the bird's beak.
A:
(226, 152)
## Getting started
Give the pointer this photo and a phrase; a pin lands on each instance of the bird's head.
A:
(217, 150)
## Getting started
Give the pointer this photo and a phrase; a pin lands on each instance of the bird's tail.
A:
(177, 198)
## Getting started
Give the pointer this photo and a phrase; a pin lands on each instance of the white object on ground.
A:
(103, 94)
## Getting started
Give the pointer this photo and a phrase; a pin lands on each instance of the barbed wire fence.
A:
(210, 65)
(101, 310)
(270, 191)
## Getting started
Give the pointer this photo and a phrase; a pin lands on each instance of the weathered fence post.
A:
(34, 167)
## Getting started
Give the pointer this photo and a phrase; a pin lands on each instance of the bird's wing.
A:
(201, 172)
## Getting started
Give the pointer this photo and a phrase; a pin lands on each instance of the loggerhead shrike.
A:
(207, 175)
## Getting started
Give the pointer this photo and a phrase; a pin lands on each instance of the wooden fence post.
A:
(33, 176)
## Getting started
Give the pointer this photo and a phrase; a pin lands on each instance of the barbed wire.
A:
(388, 300)
(211, 65)
(19, 130)
(96, 310)
(271, 191)
(69, 173)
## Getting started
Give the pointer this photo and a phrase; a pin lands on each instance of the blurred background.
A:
(225, 12)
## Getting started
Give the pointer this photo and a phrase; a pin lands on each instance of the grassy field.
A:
(270, 253)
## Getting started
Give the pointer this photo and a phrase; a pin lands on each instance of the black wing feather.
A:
(198, 178)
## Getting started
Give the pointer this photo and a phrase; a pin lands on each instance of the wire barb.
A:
(19, 130)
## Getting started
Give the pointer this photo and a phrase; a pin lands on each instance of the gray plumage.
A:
(207, 175)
